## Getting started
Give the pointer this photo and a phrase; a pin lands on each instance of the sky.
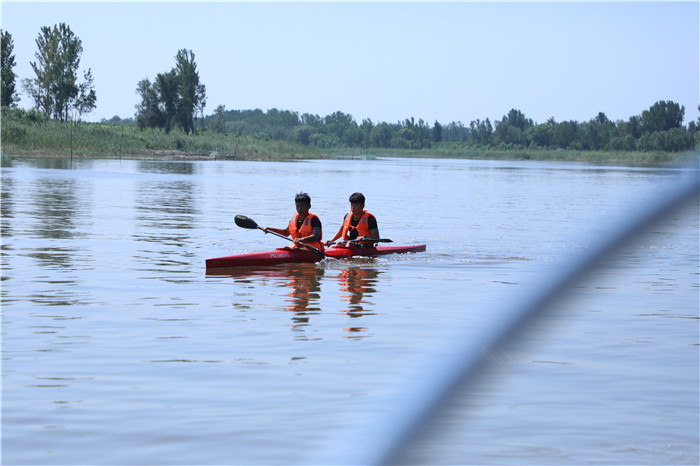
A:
(445, 62)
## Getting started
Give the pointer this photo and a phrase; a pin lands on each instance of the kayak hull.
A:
(302, 256)
(257, 259)
(347, 252)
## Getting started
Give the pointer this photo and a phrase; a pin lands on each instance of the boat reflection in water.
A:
(304, 296)
(357, 284)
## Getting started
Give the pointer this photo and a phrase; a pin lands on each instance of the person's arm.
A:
(338, 234)
(279, 231)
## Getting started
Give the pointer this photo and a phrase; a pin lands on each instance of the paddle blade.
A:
(245, 222)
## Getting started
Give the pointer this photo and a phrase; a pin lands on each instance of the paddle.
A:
(364, 240)
(247, 222)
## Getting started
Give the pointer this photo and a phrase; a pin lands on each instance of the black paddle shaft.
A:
(247, 222)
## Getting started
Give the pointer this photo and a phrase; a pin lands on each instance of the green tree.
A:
(481, 131)
(507, 134)
(437, 132)
(510, 129)
(540, 135)
(148, 111)
(308, 119)
(166, 86)
(8, 93)
(337, 123)
(87, 98)
(662, 116)
(191, 92)
(517, 119)
(302, 134)
(381, 135)
(565, 134)
(366, 131)
(55, 89)
(598, 132)
(455, 131)
(218, 123)
(673, 140)
(631, 127)
(694, 127)
(176, 96)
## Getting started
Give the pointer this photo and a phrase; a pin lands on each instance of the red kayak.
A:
(298, 255)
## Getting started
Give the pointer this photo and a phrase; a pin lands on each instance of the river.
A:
(119, 348)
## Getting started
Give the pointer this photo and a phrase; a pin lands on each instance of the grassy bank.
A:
(647, 159)
(29, 133)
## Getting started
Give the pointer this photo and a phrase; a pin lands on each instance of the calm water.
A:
(117, 348)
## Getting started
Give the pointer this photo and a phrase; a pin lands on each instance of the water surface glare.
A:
(118, 348)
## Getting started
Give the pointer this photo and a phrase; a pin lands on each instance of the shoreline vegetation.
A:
(25, 134)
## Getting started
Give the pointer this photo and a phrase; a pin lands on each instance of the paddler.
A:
(304, 226)
(358, 223)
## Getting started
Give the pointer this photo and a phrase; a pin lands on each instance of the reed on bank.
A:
(29, 133)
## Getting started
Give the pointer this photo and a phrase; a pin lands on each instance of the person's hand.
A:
(266, 230)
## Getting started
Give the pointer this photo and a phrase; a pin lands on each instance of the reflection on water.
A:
(358, 285)
(166, 212)
(169, 167)
(59, 205)
(165, 206)
(304, 282)
(303, 299)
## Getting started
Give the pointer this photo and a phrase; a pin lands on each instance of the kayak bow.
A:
(298, 255)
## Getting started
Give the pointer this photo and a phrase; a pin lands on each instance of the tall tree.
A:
(148, 112)
(437, 132)
(481, 131)
(191, 93)
(338, 123)
(218, 123)
(662, 116)
(517, 119)
(87, 98)
(8, 93)
(55, 89)
(167, 87)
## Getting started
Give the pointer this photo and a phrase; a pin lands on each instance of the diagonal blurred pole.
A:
(384, 440)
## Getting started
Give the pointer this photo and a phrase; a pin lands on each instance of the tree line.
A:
(175, 98)
(660, 128)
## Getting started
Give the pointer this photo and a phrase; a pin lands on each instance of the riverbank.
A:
(30, 134)
(632, 159)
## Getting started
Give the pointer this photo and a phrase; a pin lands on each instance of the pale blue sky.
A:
(387, 61)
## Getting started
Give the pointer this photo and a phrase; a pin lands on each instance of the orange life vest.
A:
(305, 230)
(362, 226)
